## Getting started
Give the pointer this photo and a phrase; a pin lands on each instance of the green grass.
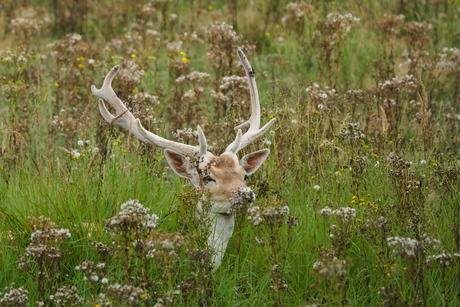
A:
(39, 177)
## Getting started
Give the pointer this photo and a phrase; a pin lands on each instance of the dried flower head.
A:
(194, 77)
(223, 41)
(449, 61)
(329, 268)
(390, 24)
(15, 297)
(93, 272)
(444, 259)
(237, 87)
(267, 215)
(351, 133)
(45, 241)
(334, 28)
(132, 215)
(66, 296)
(126, 294)
(29, 21)
(345, 214)
(407, 247)
(417, 34)
(296, 12)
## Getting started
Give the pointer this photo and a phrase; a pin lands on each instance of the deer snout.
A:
(244, 195)
(252, 196)
(242, 198)
(239, 200)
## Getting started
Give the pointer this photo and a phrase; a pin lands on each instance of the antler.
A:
(254, 131)
(126, 119)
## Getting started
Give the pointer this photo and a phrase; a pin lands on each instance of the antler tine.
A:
(254, 121)
(126, 119)
(233, 147)
(202, 141)
(108, 94)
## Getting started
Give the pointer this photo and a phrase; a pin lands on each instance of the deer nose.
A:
(251, 196)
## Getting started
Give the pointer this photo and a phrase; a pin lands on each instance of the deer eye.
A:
(245, 177)
(207, 179)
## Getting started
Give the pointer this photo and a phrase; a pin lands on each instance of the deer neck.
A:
(222, 226)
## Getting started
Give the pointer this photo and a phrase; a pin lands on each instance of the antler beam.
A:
(254, 130)
(126, 119)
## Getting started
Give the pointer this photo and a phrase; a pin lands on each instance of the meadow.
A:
(358, 203)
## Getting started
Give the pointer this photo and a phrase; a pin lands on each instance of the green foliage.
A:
(364, 155)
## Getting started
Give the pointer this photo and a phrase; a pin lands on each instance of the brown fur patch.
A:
(225, 162)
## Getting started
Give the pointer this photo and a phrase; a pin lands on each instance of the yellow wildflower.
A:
(185, 60)
(277, 26)
(267, 33)
(182, 53)
(56, 84)
(133, 55)
(210, 7)
(153, 58)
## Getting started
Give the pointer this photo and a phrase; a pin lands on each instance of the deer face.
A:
(223, 176)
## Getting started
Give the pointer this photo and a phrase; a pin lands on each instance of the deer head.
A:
(223, 176)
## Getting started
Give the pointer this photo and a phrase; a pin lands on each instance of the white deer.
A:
(223, 176)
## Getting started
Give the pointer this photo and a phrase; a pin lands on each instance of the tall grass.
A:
(365, 152)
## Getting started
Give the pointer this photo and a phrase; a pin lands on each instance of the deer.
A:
(223, 177)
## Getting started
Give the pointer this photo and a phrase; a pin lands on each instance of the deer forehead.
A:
(225, 167)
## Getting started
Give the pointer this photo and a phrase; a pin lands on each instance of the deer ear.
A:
(179, 164)
(253, 161)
